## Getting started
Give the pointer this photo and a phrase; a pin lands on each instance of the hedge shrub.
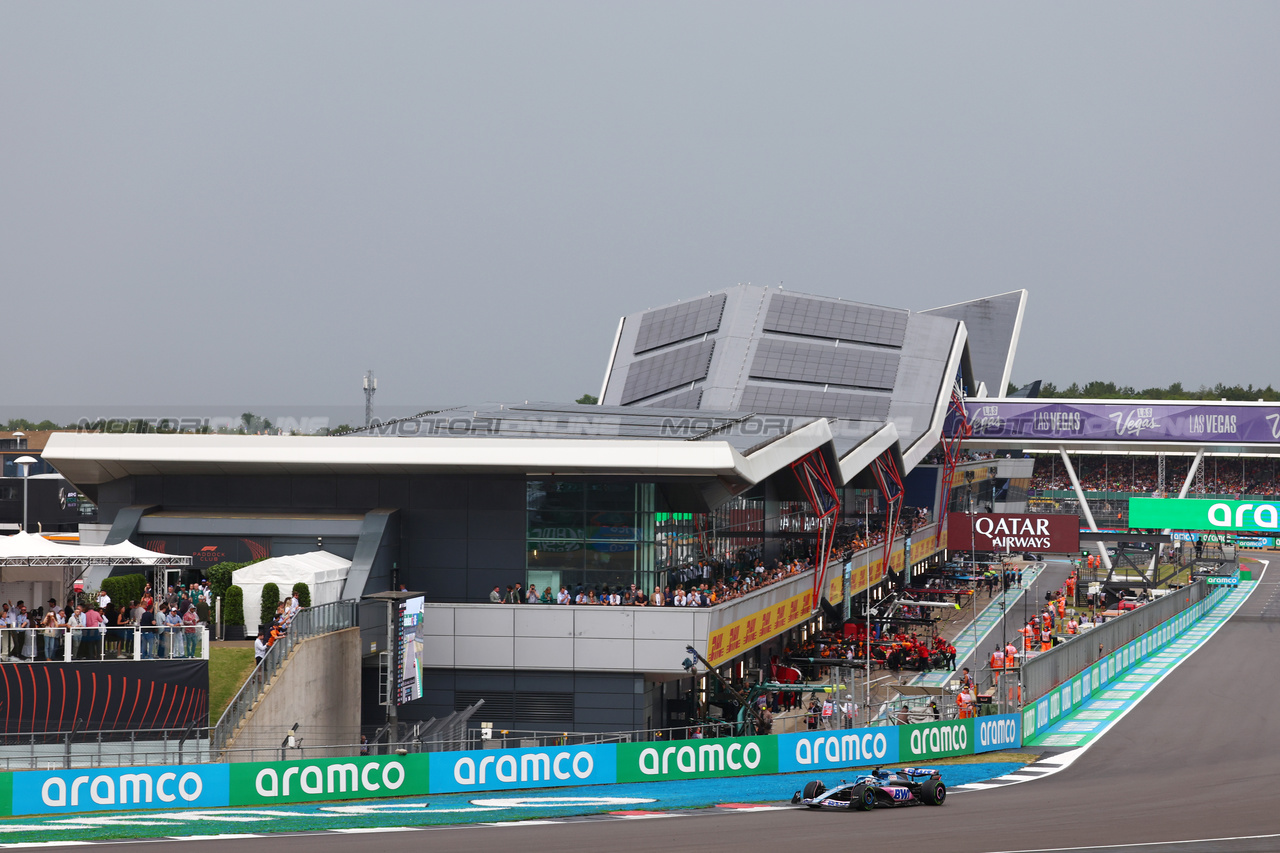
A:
(233, 606)
(125, 588)
(303, 592)
(220, 577)
(270, 601)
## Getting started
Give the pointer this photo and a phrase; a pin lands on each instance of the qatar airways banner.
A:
(1004, 531)
(1122, 420)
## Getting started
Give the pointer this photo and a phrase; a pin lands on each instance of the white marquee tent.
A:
(28, 561)
(324, 573)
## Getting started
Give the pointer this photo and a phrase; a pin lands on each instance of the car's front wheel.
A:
(864, 798)
(814, 789)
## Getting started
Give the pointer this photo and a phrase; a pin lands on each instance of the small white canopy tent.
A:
(28, 561)
(324, 573)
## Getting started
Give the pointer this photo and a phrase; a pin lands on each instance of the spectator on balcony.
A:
(495, 597)
(51, 632)
(172, 629)
(75, 630)
(91, 643)
(564, 597)
(192, 630)
(124, 630)
(6, 628)
(147, 623)
(259, 647)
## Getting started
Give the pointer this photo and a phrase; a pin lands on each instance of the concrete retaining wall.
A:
(318, 688)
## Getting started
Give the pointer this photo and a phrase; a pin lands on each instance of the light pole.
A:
(866, 606)
(26, 462)
(973, 567)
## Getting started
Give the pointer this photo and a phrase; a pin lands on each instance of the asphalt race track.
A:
(1193, 768)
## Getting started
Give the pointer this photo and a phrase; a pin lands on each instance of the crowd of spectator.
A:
(1140, 474)
(268, 634)
(96, 627)
(710, 581)
(706, 593)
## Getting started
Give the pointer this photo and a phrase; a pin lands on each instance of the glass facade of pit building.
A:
(593, 535)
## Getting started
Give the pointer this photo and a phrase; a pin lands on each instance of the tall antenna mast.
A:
(370, 387)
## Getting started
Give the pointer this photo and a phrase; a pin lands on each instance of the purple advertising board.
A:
(1122, 420)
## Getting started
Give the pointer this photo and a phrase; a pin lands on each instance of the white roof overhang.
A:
(92, 458)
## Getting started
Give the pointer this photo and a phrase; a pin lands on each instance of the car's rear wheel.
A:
(933, 792)
(865, 798)
(814, 789)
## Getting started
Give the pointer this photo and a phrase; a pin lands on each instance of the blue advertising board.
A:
(509, 769)
(123, 789)
(837, 748)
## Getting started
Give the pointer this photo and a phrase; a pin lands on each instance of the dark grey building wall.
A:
(458, 535)
(537, 701)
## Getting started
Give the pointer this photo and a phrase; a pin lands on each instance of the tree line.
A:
(1110, 390)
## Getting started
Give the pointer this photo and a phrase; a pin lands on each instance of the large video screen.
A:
(409, 659)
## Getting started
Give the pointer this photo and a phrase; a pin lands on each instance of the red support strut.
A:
(885, 469)
(960, 429)
(820, 490)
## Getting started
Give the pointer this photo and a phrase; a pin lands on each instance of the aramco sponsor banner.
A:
(697, 759)
(936, 740)
(505, 769)
(261, 783)
(1200, 514)
(1056, 533)
(1001, 731)
(837, 748)
(120, 789)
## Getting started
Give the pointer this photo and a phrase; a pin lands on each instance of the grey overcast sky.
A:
(225, 203)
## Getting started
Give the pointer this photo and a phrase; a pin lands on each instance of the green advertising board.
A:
(259, 783)
(697, 759)
(936, 740)
(1199, 514)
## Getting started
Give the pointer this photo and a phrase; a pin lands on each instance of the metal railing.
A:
(123, 642)
(63, 750)
(309, 622)
(1046, 671)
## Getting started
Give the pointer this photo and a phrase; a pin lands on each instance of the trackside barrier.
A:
(372, 777)
(1043, 673)
(1062, 699)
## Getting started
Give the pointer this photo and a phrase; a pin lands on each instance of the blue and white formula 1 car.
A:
(910, 786)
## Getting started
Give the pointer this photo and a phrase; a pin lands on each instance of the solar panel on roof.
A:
(667, 370)
(777, 399)
(679, 322)
(684, 400)
(846, 321)
(797, 361)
